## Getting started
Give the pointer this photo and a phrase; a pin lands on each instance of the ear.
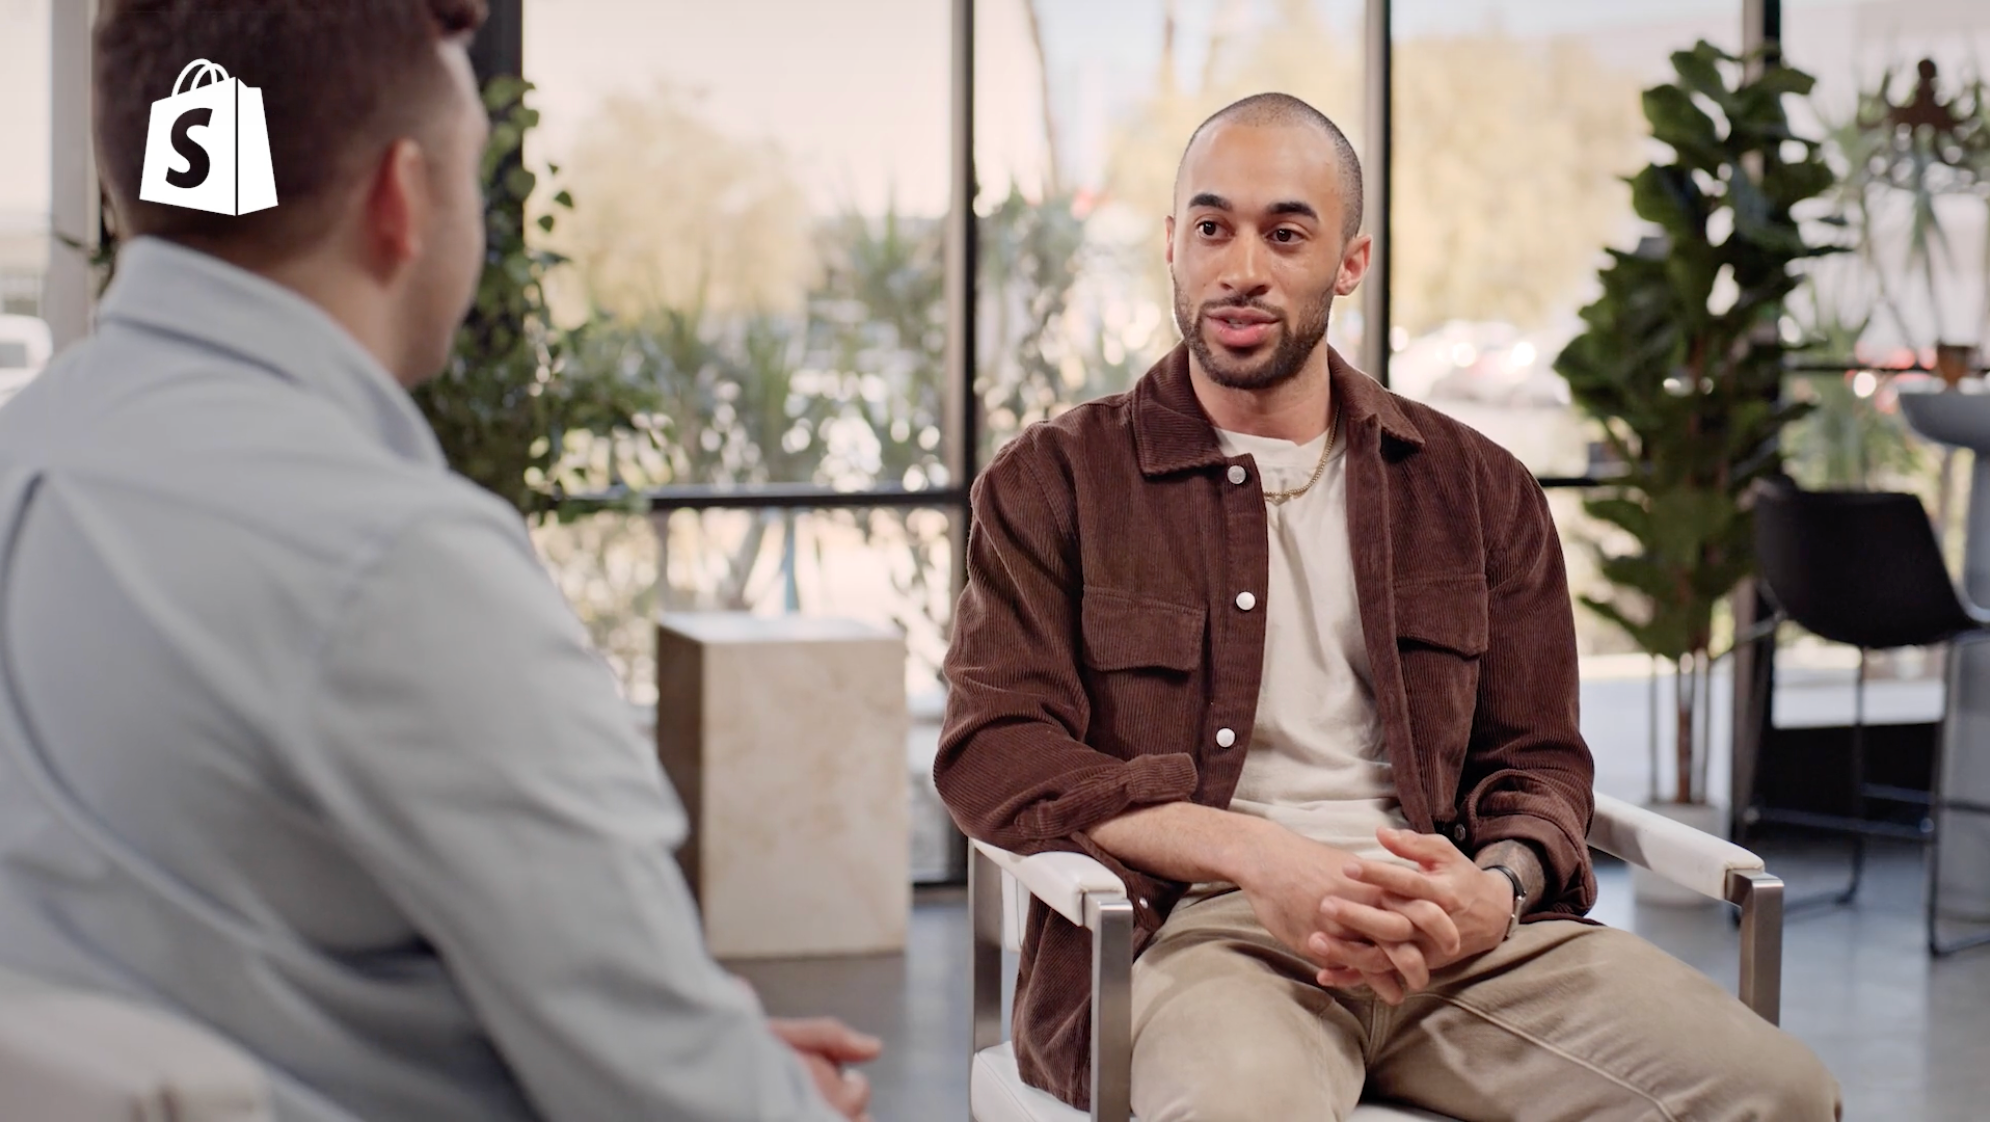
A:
(398, 206)
(1169, 226)
(1353, 264)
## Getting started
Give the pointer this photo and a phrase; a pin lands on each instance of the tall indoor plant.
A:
(1681, 360)
(514, 388)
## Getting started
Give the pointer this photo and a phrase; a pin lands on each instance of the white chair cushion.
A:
(72, 1056)
(996, 1093)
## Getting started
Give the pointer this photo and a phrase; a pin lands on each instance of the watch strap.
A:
(1519, 896)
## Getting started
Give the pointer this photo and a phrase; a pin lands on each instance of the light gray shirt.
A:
(298, 740)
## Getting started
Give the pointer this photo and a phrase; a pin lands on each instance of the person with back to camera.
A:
(297, 738)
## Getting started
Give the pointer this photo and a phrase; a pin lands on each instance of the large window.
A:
(763, 194)
(1514, 123)
(758, 230)
(759, 193)
(760, 189)
(1917, 275)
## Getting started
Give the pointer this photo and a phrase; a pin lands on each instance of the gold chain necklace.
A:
(1280, 498)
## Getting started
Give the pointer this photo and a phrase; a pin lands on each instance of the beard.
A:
(1297, 340)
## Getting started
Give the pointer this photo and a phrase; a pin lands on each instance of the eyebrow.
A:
(1287, 206)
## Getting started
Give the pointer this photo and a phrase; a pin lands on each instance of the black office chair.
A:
(1863, 568)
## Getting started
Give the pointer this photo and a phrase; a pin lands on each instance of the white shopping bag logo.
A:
(208, 146)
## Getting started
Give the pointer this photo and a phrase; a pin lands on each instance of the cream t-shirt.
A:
(1316, 763)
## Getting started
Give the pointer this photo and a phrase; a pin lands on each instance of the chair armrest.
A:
(1710, 867)
(1687, 857)
(1060, 880)
(1091, 896)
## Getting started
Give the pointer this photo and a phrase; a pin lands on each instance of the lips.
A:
(1240, 329)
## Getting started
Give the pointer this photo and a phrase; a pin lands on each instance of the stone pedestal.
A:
(785, 737)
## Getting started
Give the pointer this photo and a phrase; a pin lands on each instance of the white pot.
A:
(1650, 888)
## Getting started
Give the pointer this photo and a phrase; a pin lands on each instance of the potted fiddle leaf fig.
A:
(1681, 363)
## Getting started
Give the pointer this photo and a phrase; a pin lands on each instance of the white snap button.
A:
(1225, 737)
(1246, 601)
(1238, 474)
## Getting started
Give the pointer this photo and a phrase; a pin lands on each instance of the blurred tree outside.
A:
(782, 348)
(680, 215)
(1508, 177)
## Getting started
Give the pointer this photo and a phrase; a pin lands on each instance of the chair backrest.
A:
(1857, 567)
(75, 1056)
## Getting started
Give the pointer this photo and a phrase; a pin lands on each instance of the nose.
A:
(1243, 268)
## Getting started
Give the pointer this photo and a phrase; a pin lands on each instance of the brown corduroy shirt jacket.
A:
(1100, 653)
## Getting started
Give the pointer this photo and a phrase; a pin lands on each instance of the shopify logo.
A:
(208, 145)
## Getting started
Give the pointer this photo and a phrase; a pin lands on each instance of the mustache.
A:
(1240, 302)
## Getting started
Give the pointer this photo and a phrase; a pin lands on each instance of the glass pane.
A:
(24, 174)
(1514, 121)
(1916, 209)
(888, 567)
(1082, 111)
(759, 190)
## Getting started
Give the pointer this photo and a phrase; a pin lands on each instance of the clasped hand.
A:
(1382, 924)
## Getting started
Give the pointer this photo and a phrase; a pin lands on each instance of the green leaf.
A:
(1699, 71)
(1781, 80)
(1666, 194)
(1678, 120)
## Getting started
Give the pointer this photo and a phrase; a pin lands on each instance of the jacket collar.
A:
(1171, 433)
(173, 290)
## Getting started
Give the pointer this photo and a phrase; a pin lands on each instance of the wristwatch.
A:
(1519, 897)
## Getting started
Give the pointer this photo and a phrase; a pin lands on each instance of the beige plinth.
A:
(785, 737)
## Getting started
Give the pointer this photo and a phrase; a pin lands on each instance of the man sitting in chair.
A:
(1295, 658)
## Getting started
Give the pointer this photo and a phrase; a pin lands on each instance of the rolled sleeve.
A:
(1528, 775)
(1013, 768)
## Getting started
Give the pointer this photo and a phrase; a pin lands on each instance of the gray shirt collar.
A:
(168, 288)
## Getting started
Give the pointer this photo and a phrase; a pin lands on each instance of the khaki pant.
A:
(1562, 1021)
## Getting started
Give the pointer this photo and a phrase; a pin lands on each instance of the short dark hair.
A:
(1284, 109)
(340, 81)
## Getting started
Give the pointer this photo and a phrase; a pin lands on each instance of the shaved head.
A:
(1271, 110)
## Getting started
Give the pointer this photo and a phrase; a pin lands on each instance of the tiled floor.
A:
(1908, 1038)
